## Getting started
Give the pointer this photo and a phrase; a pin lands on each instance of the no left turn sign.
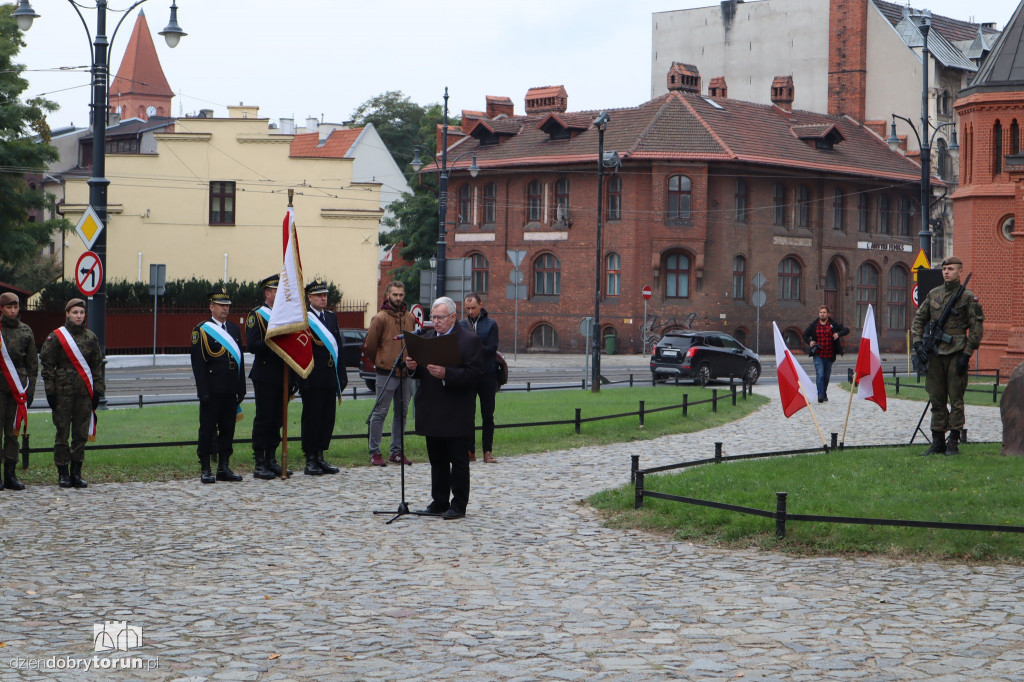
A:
(88, 273)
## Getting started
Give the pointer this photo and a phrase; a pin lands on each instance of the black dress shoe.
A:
(453, 513)
(433, 510)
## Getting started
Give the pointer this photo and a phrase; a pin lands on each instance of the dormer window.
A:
(563, 127)
(824, 136)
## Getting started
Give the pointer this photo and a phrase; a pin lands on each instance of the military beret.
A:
(220, 295)
(952, 260)
(7, 298)
(317, 286)
(74, 303)
(271, 282)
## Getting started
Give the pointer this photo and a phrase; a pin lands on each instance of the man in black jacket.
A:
(322, 389)
(219, 369)
(479, 323)
(445, 410)
(824, 335)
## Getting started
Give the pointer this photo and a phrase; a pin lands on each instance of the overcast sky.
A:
(336, 54)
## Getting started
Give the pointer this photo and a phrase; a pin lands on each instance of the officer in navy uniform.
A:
(321, 390)
(220, 384)
(267, 376)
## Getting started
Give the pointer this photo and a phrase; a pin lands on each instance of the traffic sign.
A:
(920, 262)
(89, 227)
(516, 276)
(647, 293)
(759, 280)
(758, 298)
(914, 294)
(88, 273)
(516, 256)
(417, 312)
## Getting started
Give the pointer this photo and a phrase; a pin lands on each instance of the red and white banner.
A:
(869, 364)
(14, 384)
(81, 366)
(288, 332)
(792, 378)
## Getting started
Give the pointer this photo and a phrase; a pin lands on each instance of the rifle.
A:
(934, 334)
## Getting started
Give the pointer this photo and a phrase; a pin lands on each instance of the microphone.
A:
(402, 336)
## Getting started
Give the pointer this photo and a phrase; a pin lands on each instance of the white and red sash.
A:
(81, 366)
(14, 383)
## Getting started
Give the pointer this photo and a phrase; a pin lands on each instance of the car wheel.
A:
(751, 374)
(372, 385)
(703, 375)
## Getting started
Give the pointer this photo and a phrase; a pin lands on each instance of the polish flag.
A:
(869, 364)
(288, 332)
(791, 377)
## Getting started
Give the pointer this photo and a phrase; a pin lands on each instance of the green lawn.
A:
(173, 423)
(979, 390)
(978, 486)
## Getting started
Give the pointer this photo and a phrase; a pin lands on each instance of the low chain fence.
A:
(905, 381)
(638, 477)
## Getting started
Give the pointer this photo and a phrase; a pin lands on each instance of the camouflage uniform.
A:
(21, 346)
(942, 382)
(72, 407)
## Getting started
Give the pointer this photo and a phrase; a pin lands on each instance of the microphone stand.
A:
(403, 506)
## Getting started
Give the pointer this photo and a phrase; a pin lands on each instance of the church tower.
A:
(140, 89)
(988, 207)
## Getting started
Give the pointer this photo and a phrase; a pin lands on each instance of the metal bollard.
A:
(780, 515)
(578, 410)
(732, 388)
(631, 380)
(835, 441)
(638, 492)
(634, 466)
(897, 385)
(527, 386)
(714, 400)
(24, 450)
(140, 401)
(995, 393)
(641, 414)
(849, 375)
(686, 400)
(583, 384)
(718, 452)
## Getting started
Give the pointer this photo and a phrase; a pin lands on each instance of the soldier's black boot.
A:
(312, 468)
(11, 481)
(273, 466)
(324, 465)
(223, 472)
(938, 444)
(204, 464)
(951, 442)
(63, 477)
(76, 476)
(260, 469)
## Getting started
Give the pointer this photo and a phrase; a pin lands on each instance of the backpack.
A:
(502, 369)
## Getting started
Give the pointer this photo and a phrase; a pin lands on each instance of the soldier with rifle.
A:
(947, 329)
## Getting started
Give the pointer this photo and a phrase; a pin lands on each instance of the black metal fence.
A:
(638, 477)
(906, 381)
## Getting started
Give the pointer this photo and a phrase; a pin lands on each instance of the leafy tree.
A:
(397, 120)
(20, 237)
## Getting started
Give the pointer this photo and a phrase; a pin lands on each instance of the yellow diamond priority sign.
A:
(89, 227)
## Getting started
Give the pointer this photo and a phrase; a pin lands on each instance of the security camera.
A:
(601, 120)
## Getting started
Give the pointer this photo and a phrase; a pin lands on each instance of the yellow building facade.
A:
(208, 200)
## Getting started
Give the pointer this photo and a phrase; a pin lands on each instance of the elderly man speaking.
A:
(445, 411)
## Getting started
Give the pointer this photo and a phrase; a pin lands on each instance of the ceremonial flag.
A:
(288, 332)
(791, 377)
(869, 364)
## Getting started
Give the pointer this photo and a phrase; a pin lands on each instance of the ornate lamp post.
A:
(99, 70)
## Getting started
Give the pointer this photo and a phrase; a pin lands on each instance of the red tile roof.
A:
(336, 146)
(951, 29)
(140, 72)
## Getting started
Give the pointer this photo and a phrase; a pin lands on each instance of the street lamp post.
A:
(442, 196)
(601, 122)
(98, 183)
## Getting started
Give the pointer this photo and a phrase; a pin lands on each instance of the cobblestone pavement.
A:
(296, 580)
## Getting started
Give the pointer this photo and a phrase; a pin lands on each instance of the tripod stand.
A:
(400, 414)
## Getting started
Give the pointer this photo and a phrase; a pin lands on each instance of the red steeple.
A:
(140, 89)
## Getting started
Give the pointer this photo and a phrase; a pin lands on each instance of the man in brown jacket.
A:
(394, 319)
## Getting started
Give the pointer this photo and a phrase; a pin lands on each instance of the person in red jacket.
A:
(824, 335)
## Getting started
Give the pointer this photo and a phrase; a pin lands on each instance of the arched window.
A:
(896, 297)
(613, 274)
(789, 279)
(779, 204)
(739, 278)
(863, 212)
(838, 209)
(883, 214)
(677, 275)
(942, 165)
(534, 207)
(997, 148)
(614, 198)
(544, 336)
(490, 203)
(740, 335)
(547, 275)
(867, 290)
(465, 205)
(481, 276)
(679, 197)
(562, 200)
(803, 206)
(906, 209)
(742, 201)
(1014, 137)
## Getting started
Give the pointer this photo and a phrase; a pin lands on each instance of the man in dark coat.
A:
(219, 369)
(824, 337)
(479, 323)
(445, 409)
(267, 376)
(322, 389)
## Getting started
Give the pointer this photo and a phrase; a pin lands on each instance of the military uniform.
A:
(68, 396)
(267, 376)
(946, 379)
(220, 385)
(321, 390)
(21, 348)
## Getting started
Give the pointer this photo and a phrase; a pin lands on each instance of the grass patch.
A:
(174, 423)
(978, 486)
(979, 390)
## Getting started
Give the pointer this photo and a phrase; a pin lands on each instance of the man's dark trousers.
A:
(266, 424)
(449, 470)
(217, 424)
(319, 411)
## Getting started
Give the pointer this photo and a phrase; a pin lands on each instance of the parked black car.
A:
(352, 346)
(702, 357)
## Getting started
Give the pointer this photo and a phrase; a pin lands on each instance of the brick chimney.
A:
(783, 92)
(684, 78)
(547, 99)
(496, 106)
(717, 88)
(847, 57)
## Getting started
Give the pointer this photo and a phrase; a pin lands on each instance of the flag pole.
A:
(811, 410)
(853, 387)
(284, 387)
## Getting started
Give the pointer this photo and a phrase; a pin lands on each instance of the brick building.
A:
(711, 191)
(991, 195)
